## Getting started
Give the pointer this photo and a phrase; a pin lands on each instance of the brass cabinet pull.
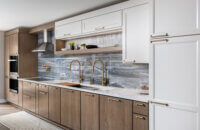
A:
(27, 96)
(159, 35)
(160, 40)
(70, 91)
(140, 104)
(43, 93)
(100, 28)
(90, 95)
(159, 103)
(114, 100)
(140, 117)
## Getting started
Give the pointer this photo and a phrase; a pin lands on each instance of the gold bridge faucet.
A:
(103, 79)
(80, 77)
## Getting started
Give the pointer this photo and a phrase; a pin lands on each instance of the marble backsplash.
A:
(117, 73)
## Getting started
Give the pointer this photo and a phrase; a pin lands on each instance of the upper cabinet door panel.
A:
(136, 34)
(177, 17)
(103, 22)
(68, 30)
(13, 44)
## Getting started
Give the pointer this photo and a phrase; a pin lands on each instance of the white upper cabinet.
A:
(104, 22)
(136, 34)
(68, 30)
(175, 71)
(176, 17)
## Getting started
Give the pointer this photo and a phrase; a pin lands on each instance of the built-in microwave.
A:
(13, 84)
(13, 64)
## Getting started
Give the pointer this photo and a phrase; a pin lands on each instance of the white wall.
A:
(2, 97)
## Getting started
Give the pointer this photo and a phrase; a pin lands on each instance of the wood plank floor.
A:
(7, 109)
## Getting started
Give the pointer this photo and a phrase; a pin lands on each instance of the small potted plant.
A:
(83, 46)
(72, 45)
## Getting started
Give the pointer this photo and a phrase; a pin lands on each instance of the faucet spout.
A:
(103, 79)
(75, 60)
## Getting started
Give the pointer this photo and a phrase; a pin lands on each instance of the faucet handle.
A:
(90, 80)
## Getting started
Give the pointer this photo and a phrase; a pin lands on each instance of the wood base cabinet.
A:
(140, 122)
(89, 111)
(29, 96)
(115, 114)
(43, 103)
(70, 108)
(54, 104)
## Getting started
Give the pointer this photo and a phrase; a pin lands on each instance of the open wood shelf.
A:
(91, 51)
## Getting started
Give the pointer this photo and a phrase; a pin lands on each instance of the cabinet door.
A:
(20, 94)
(140, 122)
(54, 104)
(176, 17)
(115, 114)
(68, 30)
(29, 102)
(70, 109)
(136, 34)
(89, 111)
(175, 79)
(103, 23)
(7, 65)
(43, 109)
(13, 44)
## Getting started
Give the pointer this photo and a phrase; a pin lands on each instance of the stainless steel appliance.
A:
(13, 64)
(13, 84)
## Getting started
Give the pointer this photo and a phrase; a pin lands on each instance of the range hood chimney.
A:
(45, 46)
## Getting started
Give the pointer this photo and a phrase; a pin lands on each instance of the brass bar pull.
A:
(140, 104)
(90, 95)
(140, 117)
(70, 91)
(43, 93)
(100, 28)
(160, 40)
(159, 103)
(115, 100)
(159, 35)
(27, 96)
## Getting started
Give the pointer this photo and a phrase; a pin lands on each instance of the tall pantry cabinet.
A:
(175, 65)
(19, 43)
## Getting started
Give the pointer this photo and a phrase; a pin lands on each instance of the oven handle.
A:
(12, 60)
(16, 78)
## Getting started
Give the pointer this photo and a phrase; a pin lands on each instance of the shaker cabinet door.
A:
(115, 114)
(176, 17)
(136, 34)
(103, 23)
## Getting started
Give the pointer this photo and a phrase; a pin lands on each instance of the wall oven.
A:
(13, 85)
(13, 64)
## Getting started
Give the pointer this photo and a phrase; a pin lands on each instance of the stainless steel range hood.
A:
(45, 46)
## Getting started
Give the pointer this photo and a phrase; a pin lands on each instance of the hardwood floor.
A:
(7, 109)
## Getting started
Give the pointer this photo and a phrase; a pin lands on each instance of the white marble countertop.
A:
(125, 93)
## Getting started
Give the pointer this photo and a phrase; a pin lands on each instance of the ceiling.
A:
(30, 13)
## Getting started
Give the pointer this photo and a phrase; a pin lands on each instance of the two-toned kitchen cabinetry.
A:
(78, 110)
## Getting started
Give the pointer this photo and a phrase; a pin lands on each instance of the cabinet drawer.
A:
(140, 122)
(29, 88)
(13, 98)
(141, 108)
(29, 102)
(43, 88)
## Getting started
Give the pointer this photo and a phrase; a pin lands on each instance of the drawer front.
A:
(140, 122)
(13, 98)
(43, 88)
(141, 108)
(29, 88)
(29, 102)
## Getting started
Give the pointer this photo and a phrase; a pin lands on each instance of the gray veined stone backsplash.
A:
(117, 73)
